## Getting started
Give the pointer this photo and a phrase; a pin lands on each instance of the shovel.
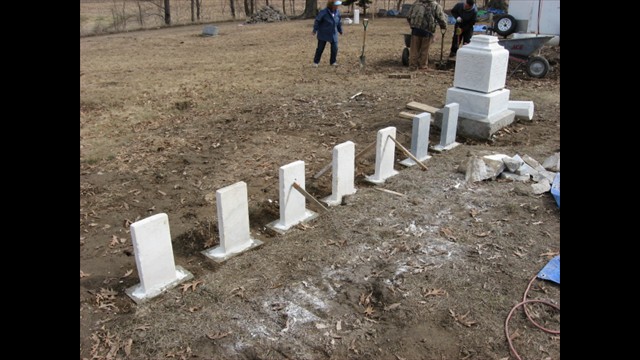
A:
(442, 65)
(365, 22)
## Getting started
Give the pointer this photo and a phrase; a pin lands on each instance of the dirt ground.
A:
(168, 117)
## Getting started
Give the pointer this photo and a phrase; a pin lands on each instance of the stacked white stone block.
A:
(343, 170)
(385, 156)
(479, 87)
(293, 209)
(153, 251)
(419, 139)
(232, 205)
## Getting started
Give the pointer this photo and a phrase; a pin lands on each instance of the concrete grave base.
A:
(281, 229)
(482, 128)
(440, 148)
(377, 180)
(137, 294)
(218, 254)
(409, 161)
(332, 201)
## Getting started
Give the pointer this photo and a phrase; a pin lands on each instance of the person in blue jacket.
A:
(466, 14)
(327, 25)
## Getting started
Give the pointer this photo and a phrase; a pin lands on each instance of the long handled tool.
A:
(365, 22)
(442, 31)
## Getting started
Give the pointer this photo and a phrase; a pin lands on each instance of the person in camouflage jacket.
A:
(423, 18)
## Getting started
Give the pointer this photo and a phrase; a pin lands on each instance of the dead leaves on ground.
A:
(448, 233)
(191, 285)
(105, 298)
(433, 292)
(106, 345)
(462, 319)
(218, 335)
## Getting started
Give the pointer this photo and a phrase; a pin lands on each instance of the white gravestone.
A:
(385, 156)
(153, 251)
(232, 205)
(419, 139)
(292, 202)
(343, 172)
(479, 88)
(448, 128)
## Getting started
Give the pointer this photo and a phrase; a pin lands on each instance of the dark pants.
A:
(463, 38)
(320, 49)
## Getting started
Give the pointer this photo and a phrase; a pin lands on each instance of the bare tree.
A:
(232, 6)
(310, 9)
(193, 10)
(198, 5)
(248, 7)
(167, 12)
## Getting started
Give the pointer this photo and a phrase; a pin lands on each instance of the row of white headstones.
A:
(151, 237)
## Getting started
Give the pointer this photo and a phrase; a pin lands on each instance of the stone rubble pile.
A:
(267, 14)
(517, 168)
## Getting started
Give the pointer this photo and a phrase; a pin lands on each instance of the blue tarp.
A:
(551, 271)
(479, 28)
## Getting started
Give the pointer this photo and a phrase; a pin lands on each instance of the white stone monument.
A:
(343, 172)
(385, 156)
(232, 205)
(419, 139)
(292, 202)
(479, 87)
(151, 240)
(356, 16)
(448, 128)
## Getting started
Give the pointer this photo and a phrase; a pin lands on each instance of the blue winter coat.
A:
(327, 26)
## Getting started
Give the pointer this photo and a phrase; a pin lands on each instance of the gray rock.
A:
(507, 175)
(476, 170)
(541, 187)
(513, 163)
(552, 163)
(494, 164)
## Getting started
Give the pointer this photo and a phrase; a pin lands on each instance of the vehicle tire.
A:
(505, 25)
(537, 67)
(405, 57)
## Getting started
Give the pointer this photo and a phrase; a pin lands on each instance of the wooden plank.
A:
(422, 107)
(401, 76)
(407, 115)
(309, 197)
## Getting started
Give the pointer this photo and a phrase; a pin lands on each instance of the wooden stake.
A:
(309, 196)
(358, 155)
(408, 153)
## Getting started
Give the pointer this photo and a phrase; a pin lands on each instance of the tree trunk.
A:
(246, 8)
(310, 9)
(167, 12)
(232, 6)
(198, 3)
(193, 10)
(284, 7)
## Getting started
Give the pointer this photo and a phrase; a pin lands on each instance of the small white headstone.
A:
(153, 251)
(210, 30)
(233, 223)
(419, 139)
(385, 156)
(292, 202)
(343, 173)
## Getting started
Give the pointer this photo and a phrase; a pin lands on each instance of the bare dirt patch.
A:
(167, 117)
